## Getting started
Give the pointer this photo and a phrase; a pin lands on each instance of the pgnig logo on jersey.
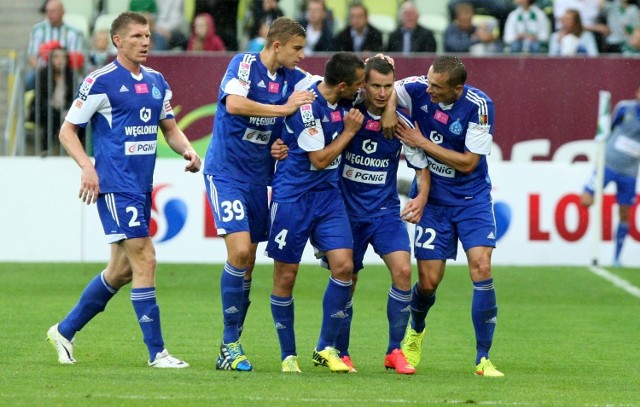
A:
(140, 147)
(168, 214)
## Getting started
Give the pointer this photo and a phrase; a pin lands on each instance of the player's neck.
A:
(268, 59)
(376, 111)
(132, 67)
(330, 94)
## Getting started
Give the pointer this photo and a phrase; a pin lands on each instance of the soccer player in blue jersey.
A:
(368, 182)
(622, 157)
(257, 91)
(307, 204)
(457, 121)
(126, 104)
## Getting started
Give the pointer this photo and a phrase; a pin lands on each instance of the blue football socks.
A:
(282, 310)
(148, 313)
(420, 306)
(398, 306)
(246, 302)
(93, 300)
(621, 234)
(231, 287)
(344, 331)
(484, 313)
(336, 297)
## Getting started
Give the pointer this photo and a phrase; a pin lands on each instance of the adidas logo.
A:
(491, 236)
(280, 326)
(231, 310)
(406, 309)
(261, 84)
(493, 320)
(425, 108)
(325, 119)
(124, 89)
(340, 314)
(145, 319)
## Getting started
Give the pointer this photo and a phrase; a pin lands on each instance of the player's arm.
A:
(389, 118)
(243, 106)
(180, 144)
(352, 123)
(464, 162)
(89, 182)
(414, 209)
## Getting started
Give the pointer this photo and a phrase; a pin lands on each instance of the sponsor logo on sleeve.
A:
(243, 72)
(483, 119)
(306, 112)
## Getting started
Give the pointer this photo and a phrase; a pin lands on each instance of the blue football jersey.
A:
(465, 125)
(124, 110)
(622, 152)
(369, 170)
(240, 146)
(311, 128)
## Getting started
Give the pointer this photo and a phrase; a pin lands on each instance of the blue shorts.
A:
(318, 216)
(124, 215)
(625, 186)
(386, 234)
(238, 207)
(437, 234)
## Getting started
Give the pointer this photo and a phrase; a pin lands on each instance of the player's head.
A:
(287, 38)
(447, 76)
(379, 76)
(345, 72)
(131, 36)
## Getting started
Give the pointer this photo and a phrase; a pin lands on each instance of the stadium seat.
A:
(86, 8)
(115, 6)
(79, 22)
(103, 22)
(290, 8)
(189, 11)
(383, 7)
(433, 7)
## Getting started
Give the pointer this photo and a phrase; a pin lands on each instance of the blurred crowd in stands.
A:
(76, 33)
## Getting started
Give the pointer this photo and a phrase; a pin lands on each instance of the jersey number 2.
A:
(429, 234)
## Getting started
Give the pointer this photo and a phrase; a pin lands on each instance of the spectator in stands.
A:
(588, 10)
(167, 31)
(359, 35)
(463, 36)
(572, 39)
(203, 35)
(55, 88)
(410, 36)
(527, 28)
(622, 17)
(262, 12)
(256, 44)
(499, 9)
(632, 45)
(328, 17)
(319, 36)
(101, 48)
(225, 15)
(52, 28)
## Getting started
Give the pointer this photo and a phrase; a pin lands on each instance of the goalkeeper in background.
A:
(622, 157)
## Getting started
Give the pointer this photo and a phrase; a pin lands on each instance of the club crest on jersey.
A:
(336, 117)
(155, 92)
(372, 125)
(141, 88)
(456, 128)
(145, 114)
(274, 87)
(369, 146)
(441, 116)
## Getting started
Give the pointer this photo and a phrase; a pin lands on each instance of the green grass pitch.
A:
(565, 337)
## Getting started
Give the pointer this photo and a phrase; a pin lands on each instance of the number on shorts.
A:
(232, 210)
(134, 216)
(430, 235)
(281, 238)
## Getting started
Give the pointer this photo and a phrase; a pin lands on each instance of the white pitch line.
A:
(617, 281)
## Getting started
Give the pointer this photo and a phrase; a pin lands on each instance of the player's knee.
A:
(241, 257)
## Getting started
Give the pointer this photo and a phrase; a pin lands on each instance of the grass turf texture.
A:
(565, 337)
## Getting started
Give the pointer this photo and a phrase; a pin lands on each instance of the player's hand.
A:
(194, 161)
(89, 185)
(353, 121)
(409, 136)
(297, 99)
(388, 122)
(383, 56)
(412, 213)
(279, 150)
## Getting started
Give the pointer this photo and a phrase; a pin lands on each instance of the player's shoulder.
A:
(99, 79)
(417, 80)
(151, 71)
(476, 97)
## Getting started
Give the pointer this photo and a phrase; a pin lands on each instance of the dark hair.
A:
(378, 64)
(453, 66)
(342, 67)
(284, 29)
(124, 19)
(359, 5)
